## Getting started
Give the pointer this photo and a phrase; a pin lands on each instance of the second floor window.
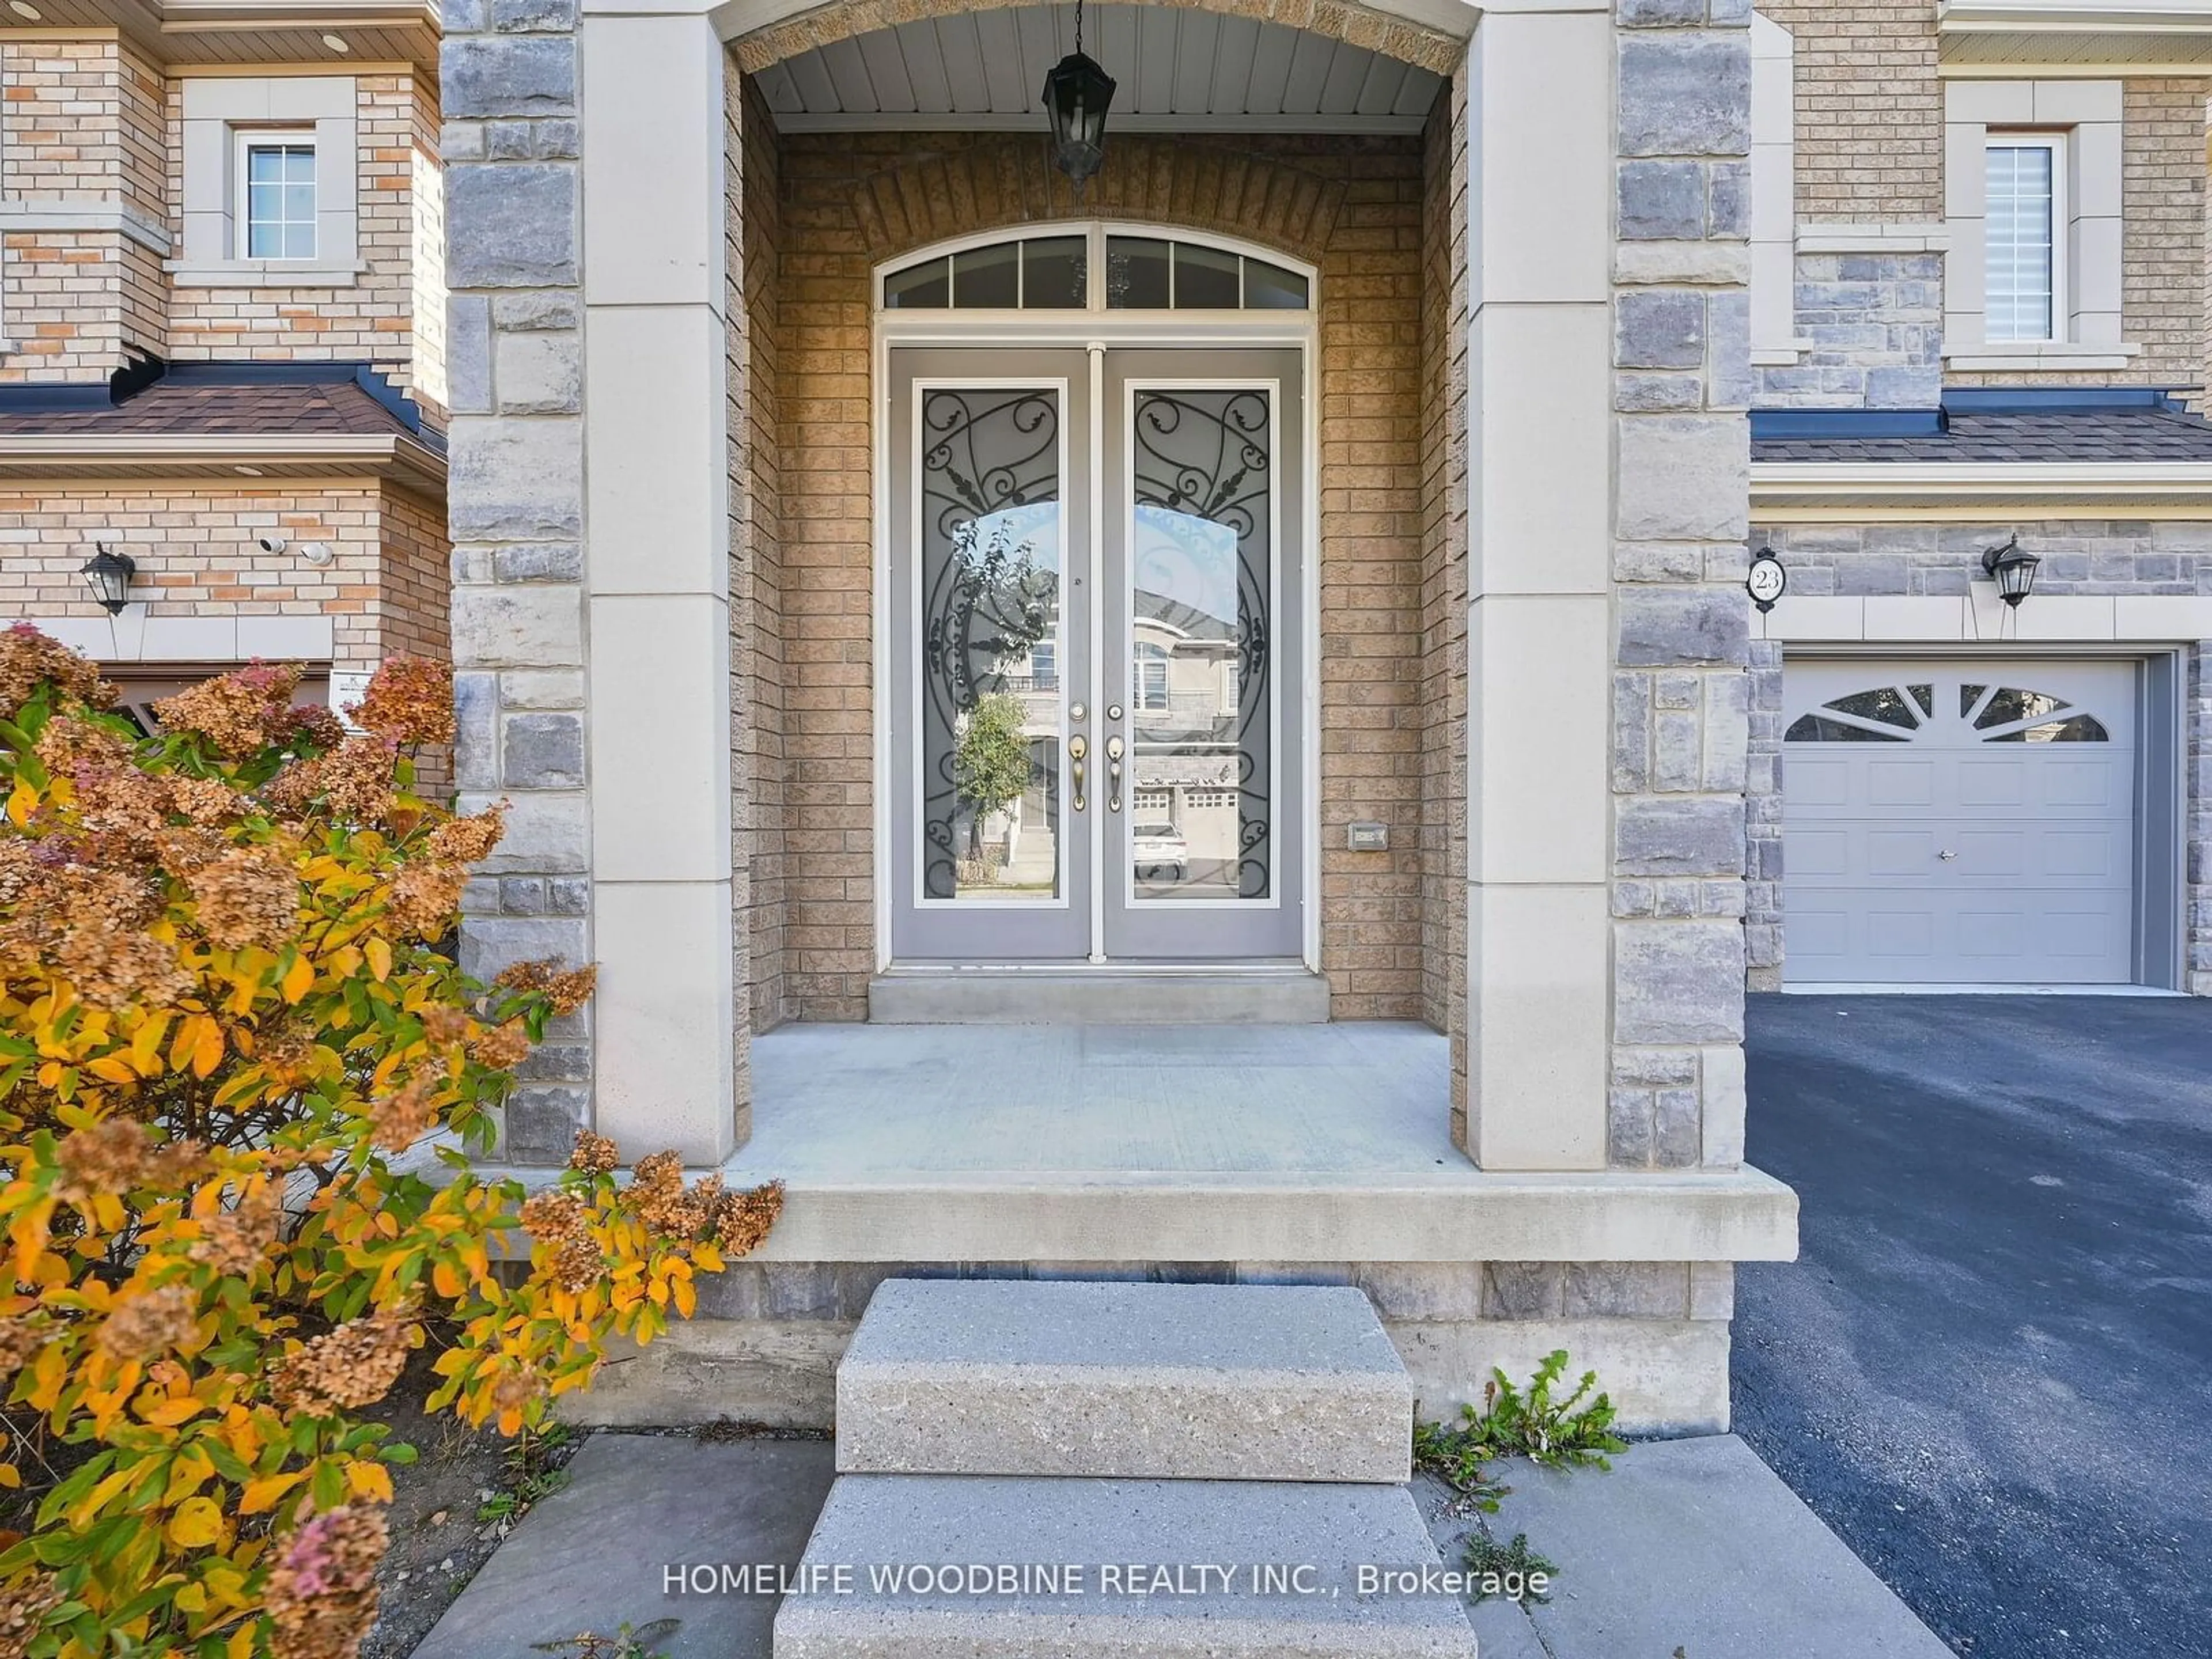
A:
(277, 196)
(1151, 691)
(2026, 211)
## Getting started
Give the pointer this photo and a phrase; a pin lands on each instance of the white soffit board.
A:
(1179, 69)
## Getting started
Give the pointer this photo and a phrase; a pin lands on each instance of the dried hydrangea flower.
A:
(742, 1220)
(20, 1341)
(594, 1153)
(249, 896)
(240, 714)
(410, 701)
(503, 1048)
(467, 840)
(398, 1120)
(109, 1156)
(235, 1242)
(322, 1595)
(30, 659)
(567, 990)
(151, 1323)
(344, 1369)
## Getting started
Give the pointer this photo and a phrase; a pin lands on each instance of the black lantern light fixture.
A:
(2012, 568)
(1077, 93)
(108, 574)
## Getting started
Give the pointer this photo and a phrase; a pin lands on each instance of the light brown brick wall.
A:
(384, 588)
(88, 120)
(1869, 109)
(427, 296)
(374, 320)
(758, 667)
(1444, 573)
(2163, 248)
(75, 127)
(1353, 207)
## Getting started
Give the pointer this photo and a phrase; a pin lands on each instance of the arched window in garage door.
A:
(1907, 711)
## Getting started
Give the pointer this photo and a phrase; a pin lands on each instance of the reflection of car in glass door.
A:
(1160, 853)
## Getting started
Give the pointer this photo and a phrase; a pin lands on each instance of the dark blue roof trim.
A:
(2056, 399)
(1779, 423)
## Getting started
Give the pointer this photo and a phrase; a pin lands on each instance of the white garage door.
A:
(1958, 823)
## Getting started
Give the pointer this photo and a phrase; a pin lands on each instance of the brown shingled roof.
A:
(185, 405)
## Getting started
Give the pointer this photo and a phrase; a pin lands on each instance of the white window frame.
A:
(244, 142)
(1144, 657)
(2056, 143)
(220, 115)
(2088, 117)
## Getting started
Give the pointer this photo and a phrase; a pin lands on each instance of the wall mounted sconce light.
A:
(2012, 568)
(108, 574)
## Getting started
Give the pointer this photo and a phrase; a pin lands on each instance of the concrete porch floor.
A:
(1366, 1097)
(1102, 1143)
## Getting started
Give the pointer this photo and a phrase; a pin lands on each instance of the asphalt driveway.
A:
(1992, 1369)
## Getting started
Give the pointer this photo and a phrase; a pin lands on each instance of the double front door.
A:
(1096, 611)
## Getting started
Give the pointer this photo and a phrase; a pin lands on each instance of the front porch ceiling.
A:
(1179, 69)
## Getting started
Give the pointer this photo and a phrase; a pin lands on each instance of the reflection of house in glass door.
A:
(1095, 575)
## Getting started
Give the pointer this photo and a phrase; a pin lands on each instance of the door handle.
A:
(1946, 857)
(1077, 749)
(1113, 774)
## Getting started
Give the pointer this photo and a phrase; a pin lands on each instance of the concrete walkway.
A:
(1691, 1548)
(1688, 1547)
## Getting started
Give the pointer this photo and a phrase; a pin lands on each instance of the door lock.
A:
(1112, 711)
(1113, 774)
(1077, 749)
(1078, 712)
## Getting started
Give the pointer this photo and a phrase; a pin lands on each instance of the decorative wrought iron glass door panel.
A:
(990, 636)
(1201, 687)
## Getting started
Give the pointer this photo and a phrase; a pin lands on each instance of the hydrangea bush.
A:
(227, 1007)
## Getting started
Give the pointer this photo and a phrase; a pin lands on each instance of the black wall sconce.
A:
(108, 574)
(2012, 568)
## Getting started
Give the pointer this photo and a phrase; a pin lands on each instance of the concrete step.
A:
(1253, 994)
(1060, 1377)
(1121, 1568)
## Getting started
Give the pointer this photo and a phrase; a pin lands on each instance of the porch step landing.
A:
(1082, 1469)
(1190, 1381)
(1133, 994)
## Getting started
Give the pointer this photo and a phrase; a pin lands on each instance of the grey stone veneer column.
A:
(515, 501)
(1681, 710)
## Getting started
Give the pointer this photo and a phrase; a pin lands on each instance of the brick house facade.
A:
(262, 436)
(681, 354)
(1899, 435)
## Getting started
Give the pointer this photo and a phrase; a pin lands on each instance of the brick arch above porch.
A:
(983, 182)
(1430, 35)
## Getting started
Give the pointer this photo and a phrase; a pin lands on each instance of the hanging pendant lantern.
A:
(1077, 93)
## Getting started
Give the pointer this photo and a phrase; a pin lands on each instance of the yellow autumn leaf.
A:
(207, 1051)
(22, 801)
(111, 1068)
(379, 958)
(197, 1523)
(369, 1480)
(299, 979)
(168, 1414)
(444, 1280)
(146, 1044)
(263, 1493)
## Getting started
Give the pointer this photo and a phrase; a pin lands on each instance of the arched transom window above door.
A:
(1098, 267)
(1950, 710)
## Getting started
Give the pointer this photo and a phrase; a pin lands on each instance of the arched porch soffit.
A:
(1430, 35)
(1006, 181)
